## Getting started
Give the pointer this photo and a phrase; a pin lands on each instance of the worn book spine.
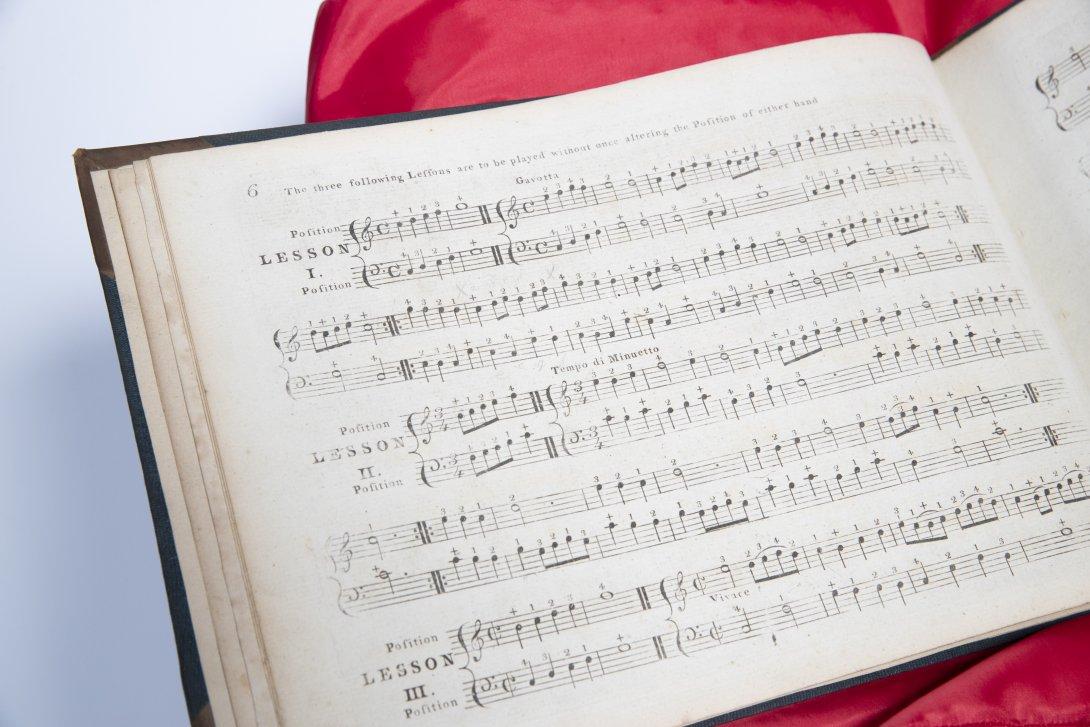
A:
(90, 160)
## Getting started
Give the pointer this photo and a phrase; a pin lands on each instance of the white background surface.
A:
(85, 636)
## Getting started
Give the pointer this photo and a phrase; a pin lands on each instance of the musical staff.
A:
(815, 188)
(594, 337)
(563, 394)
(728, 165)
(387, 589)
(850, 597)
(1073, 65)
(562, 291)
(783, 559)
(523, 511)
(528, 447)
(481, 412)
(1075, 113)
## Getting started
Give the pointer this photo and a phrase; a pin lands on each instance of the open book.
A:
(653, 402)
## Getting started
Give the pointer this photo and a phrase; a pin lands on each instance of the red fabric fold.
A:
(371, 57)
(374, 57)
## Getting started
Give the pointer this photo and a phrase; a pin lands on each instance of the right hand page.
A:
(1021, 86)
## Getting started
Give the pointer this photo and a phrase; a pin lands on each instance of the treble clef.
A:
(475, 643)
(1048, 84)
(361, 232)
(680, 592)
(288, 348)
(508, 212)
(343, 561)
(419, 420)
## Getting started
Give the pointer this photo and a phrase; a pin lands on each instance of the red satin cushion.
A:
(373, 57)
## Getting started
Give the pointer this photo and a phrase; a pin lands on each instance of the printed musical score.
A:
(565, 411)
(595, 337)
(576, 290)
(673, 367)
(608, 407)
(687, 639)
(523, 511)
(769, 563)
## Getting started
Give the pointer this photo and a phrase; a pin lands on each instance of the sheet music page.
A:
(653, 401)
(1021, 86)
